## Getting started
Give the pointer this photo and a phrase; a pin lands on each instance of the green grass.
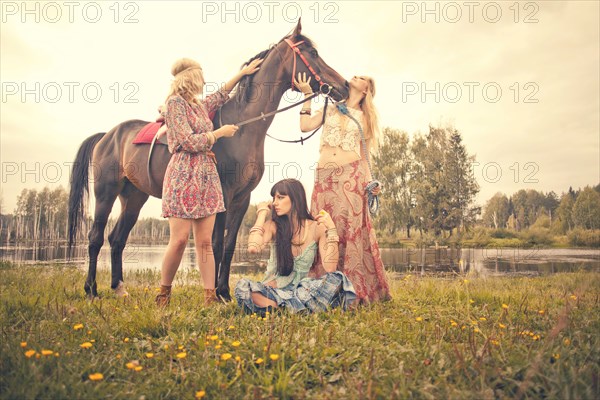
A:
(437, 338)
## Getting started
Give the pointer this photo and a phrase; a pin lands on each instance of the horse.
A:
(121, 169)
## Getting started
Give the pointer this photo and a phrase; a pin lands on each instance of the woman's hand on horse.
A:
(226, 131)
(324, 218)
(303, 83)
(252, 67)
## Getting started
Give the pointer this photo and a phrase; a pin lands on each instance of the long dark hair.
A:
(298, 213)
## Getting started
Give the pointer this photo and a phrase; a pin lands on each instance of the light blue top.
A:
(302, 264)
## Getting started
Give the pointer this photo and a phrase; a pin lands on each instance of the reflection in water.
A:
(413, 260)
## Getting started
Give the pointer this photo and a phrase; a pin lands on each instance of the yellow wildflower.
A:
(541, 312)
(29, 353)
(238, 358)
(482, 318)
(573, 297)
(126, 340)
(259, 361)
(274, 357)
(502, 326)
(419, 319)
(89, 332)
(149, 355)
(85, 345)
(225, 356)
(505, 306)
(214, 337)
(556, 356)
(181, 355)
(56, 354)
(465, 281)
(77, 327)
(166, 347)
(471, 301)
(96, 377)
(47, 352)
(138, 368)
(200, 394)
(476, 330)
(567, 341)
(236, 344)
(23, 344)
(217, 347)
(118, 356)
(495, 342)
(231, 327)
(132, 364)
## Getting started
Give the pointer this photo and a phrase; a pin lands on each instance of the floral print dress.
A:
(191, 188)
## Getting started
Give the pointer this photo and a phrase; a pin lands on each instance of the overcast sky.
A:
(520, 81)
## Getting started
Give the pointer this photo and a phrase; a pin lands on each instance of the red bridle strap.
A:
(294, 47)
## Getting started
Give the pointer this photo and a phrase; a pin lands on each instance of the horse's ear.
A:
(298, 29)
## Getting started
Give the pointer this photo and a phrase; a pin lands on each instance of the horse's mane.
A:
(243, 92)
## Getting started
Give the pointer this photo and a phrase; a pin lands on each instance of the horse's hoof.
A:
(120, 290)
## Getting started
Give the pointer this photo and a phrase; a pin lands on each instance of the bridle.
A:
(298, 53)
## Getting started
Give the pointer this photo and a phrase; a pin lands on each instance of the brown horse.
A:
(120, 170)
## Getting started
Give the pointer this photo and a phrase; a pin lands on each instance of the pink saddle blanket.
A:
(147, 133)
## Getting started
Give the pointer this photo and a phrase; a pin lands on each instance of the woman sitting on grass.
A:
(297, 235)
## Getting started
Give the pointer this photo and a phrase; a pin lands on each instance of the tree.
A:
(565, 212)
(393, 164)
(496, 211)
(586, 210)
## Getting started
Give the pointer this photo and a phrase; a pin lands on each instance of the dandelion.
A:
(541, 312)
(556, 356)
(482, 318)
(225, 356)
(132, 364)
(181, 355)
(505, 306)
(536, 337)
(419, 319)
(89, 332)
(217, 347)
(47, 352)
(236, 344)
(180, 347)
(149, 355)
(238, 358)
(573, 297)
(166, 347)
(567, 341)
(135, 307)
(502, 326)
(495, 342)
(85, 345)
(465, 281)
(453, 323)
(96, 377)
(118, 356)
(146, 289)
(29, 353)
(56, 354)
(274, 357)
(93, 340)
(77, 327)
(471, 301)
(126, 340)
(476, 330)
(231, 327)
(23, 344)
(138, 368)
(200, 394)
(259, 361)
(214, 337)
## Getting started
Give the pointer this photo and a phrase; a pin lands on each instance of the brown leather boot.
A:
(210, 297)
(164, 297)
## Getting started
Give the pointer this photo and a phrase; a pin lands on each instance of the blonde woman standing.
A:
(341, 179)
(192, 193)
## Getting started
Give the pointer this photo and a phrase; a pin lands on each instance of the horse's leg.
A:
(217, 240)
(236, 211)
(106, 194)
(132, 201)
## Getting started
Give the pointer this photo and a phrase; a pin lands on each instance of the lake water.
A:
(533, 261)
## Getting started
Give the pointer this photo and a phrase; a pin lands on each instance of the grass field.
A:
(455, 337)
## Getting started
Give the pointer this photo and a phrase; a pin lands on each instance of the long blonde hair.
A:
(371, 117)
(188, 80)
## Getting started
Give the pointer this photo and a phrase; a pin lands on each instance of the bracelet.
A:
(257, 228)
(211, 138)
(332, 239)
(331, 232)
(305, 112)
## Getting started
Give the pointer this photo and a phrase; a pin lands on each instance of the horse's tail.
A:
(79, 185)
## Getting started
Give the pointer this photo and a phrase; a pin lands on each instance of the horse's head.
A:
(302, 56)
